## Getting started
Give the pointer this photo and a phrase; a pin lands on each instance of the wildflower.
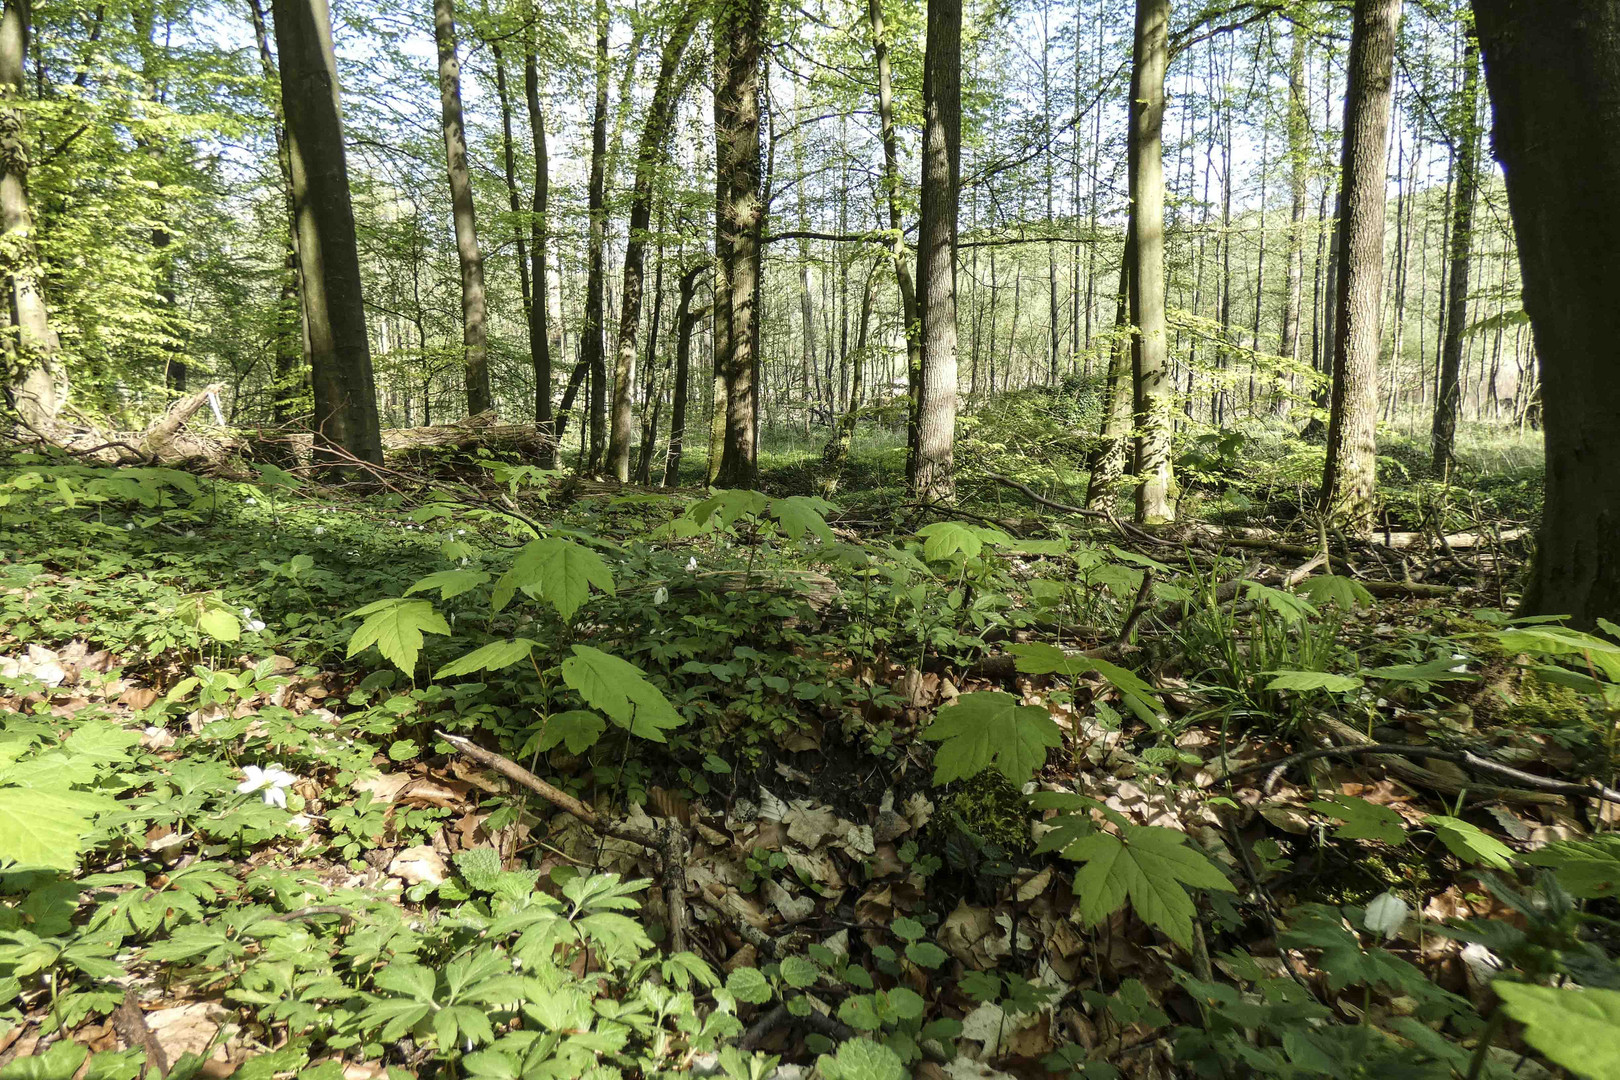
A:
(251, 501)
(129, 526)
(320, 530)
(253, 625)
(1386, 914)
(272, 783)
(661, 596)
(1459, 667)
(691, 564)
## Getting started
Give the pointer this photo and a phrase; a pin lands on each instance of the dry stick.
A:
(130, 1023)
(671, 848)
(1275, 769)
(1129, 531)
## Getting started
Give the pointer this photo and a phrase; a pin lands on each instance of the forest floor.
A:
(486, 773)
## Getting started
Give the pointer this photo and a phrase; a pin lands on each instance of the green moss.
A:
(992, 809)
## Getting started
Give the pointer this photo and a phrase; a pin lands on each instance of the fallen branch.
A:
(1125, 529)
(1275, 769)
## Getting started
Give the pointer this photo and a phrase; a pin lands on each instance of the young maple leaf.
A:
(991, 729)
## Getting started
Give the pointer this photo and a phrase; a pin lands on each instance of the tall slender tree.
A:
(36, 386)
(1154, 391)
(328, 257)
(539, 232)
(474, 302)
(1349, 478)
(591, 353)
(932, 460)
(1466, 140)
(1553, 72)
(654, 140)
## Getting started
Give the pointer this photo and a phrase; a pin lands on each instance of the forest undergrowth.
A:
(483, 772)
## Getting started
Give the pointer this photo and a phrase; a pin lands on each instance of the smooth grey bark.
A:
(1154, 404)
(474, 301)
(1448, 402)
(1349, 478)
(328, 257)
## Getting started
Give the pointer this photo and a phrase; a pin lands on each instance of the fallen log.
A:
(480, 432)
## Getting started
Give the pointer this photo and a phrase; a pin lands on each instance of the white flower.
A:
(1386, 914)
(129, 526)
(661, 596)
(1482, 964)
(253, 625)
(691, 564)
(272, 782)
(251, 501)
(320, 530)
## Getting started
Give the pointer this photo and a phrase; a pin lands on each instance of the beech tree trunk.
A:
(1153, 389)
(540, 302)
(1299, 166)
(474, 305)
(1448, 403)
(891, 191)
(1348, 480)
(1553, 72)
(37, 387)
(654, 139)
(328, 258)
(1109, 463)
(685, 320)
(591, 341)
(932, 460)
(742, 23)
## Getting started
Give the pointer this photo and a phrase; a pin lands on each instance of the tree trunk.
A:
(931, 463)
(742, 23)
(654, 139)
(474, 305)
(292, 339)
(37, 388)
(1109, 463)
(329, 260)
(1349, 478)
(1153, 391)
(1553, 71)
(1299, 165)
(1449, 402)
(836, 452)
(685, 320)
(540, 303)
(592, 343)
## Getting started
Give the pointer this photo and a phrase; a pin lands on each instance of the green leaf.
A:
(749, 984)
(1469, 843)
(1363, 820)
(1312, 680)
(942, 539)
(579, 729)
(985, 729)
(1578, 1029)
(862, 1059)
(1138, 694)
(450, 583)
(396, 627)
(492, 657)
(219, 624)
(800, 514)
(620, 690)
(907, 929)
(60, 1062)
(1589, 869)
(1430, 671)
(1347, 593)
(41, 827)
(559, 570)
(1152, 867)
(925, 954)
(798, 972)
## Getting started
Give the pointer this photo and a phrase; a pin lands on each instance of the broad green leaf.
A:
(219, 624)
(101, 742)
(862, 1059)
(1442, 669)
(942, 539)
(1363, 820)
(492, 657)
(1152, 867)
(749, 984)
(1562, 641)
(450, 583)
(559, 570)
(1469, 843)
(1347, 593)
(985, 729)
(1578, 1029)
(396, 627)
(1312, 680)
(41, 827)
(800, 514)
(1589, 869)
(620, 690)
(1289, 606)
(798, 972)
(1139, 696)
(578, 729)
